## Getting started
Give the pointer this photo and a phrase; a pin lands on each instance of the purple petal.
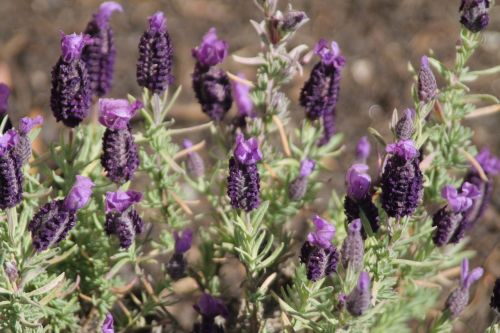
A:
(158, 22)
(4, 97)
(323, 234)
(107, 325)
(183, 241)
(247, 151)
(329, 56)
(363, 149)
(120, 201)
(358, 181)
(72, 45)
(473, 276)
(212, 51)
(489, 162)
(105, 10)
(404, 149)
(242, 98)
(80, 194)
(460, 202)
(363, 281)
(116, 113)
(307, 167)
(211, 307)
(470, 190)
(27, 124)
(187, 143)
(424, 62)
(8, 141)
(464, 271)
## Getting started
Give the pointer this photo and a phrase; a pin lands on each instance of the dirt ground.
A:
(378, 38)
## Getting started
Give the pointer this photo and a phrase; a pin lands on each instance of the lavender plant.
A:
(98, 233)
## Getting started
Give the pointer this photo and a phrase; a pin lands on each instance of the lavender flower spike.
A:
(107, 325)
(459, 298)
(121, 218)
(427, 86)
(212, 51)
(23, 148)
(4, 98)
(404, 127)
(495, 297)
(195, 164)
(154, 66)
(176, 266)
(318, 253)
(79, 194)
(209, 308)
(358, 301)
(353, 248)
(11, 175)
(298, 186)
(99, 55)
(474, 14)
(71, 92)
(363, 149)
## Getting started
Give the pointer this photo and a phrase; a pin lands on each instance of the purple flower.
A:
(489, 162)
(107, 325)
(307, 167)
(358, 181)
(404, 129)
(120, 201)
(154, 66)
(329, 56)
(427, 86)
(242, 98)
(243, 185)
(176, 266)
(212, 51)
(495, 297)
(247, 151)
(71, 92)
(4, 98)
(319, 261)
(459, 298)
(99, 55)
(183, 240)
(404, 149)
(23, 147)
(27, 124)
(463, 201)
(116, 113)
(363, 149)
(195, 164)
(474, 14)
(323, 234)
(298, 186)
(358, 301)
(79, 194)
(450, 226)
(11, 175)
(353, 248)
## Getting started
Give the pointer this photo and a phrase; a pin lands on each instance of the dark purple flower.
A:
(363, 149)
(99, 55)
(79, 194)
(242, 98)
(11, 175)
(4, 98)
(402, 180)
(107, 325)
(176, 266)
(212, 51)
(209, 308)
(459, 298)
(495, 297)
(115, 114)
(23, 147)
(353, 248)
(404, 130)
(183, 240)
(195, 164)
(427, 86)
(298, 186)
(71, 90)
(358, 181)
(120, 158)
(358, 301)
(474, 14)
(122, 219)
(154, 66)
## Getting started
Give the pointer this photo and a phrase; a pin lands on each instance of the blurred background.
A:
(378, 38)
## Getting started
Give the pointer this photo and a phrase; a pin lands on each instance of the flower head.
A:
(116, 113)
(72, 45)
(459, 298)
(353, 248)
(120, 201)
(474, 14)
(79, 194)
(427, 86)
(405, 149)
(183, 240)
(358, 301)
(211, 307)
(211, 51)
(323, 234)
(247, 151)
(329, 55)
(107, 325)
(8, 141)
(358, 181)
(27, 124)
(242, 98)
(489, 162)
(363, 149)
(4, 97)
(460, 202)
(404, 127)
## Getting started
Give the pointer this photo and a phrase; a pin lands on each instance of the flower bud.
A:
(353, 248)
(404, 127)
(122, 219)
(459, 298)
(358, 301)
(195, 164)
(11, 175)
(427, 86)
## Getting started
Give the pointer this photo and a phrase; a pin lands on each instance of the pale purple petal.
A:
(72, 45)
(358, 181)
(489, 162)
(364, 281)
(424, 62)
(329, 56)
(4, 98)
(105, 10)
(460, 202)
(158, 22)
(116, 113)
(183, 241)
(355, 225)
(363, 149)
(464, 271)
(473, 276)
(323, 234)
(26, 124)
(107, 325)
(247, 151)
(242, 98)
(212, 51)
(8, 141)
(470, 191)
(405, 149)
(307, 167)
(80, 194)
(120, 201)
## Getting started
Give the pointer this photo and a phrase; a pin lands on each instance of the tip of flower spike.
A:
(116, 113)
(211, 307)
(364, 281)
(424, 62)
(404, 148)
(183, 241)
(157, 22)
(307, 167)
(468, 278)
(120, 201)
(358, 181)
(211, 51)
(4, 97)
(247, 151)
(108, 325)
(8, 141)
(72, 45)
(355, 226)
(27, 124)
(329, 56)
(79, 194)
(105, 10)
(323, 234)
